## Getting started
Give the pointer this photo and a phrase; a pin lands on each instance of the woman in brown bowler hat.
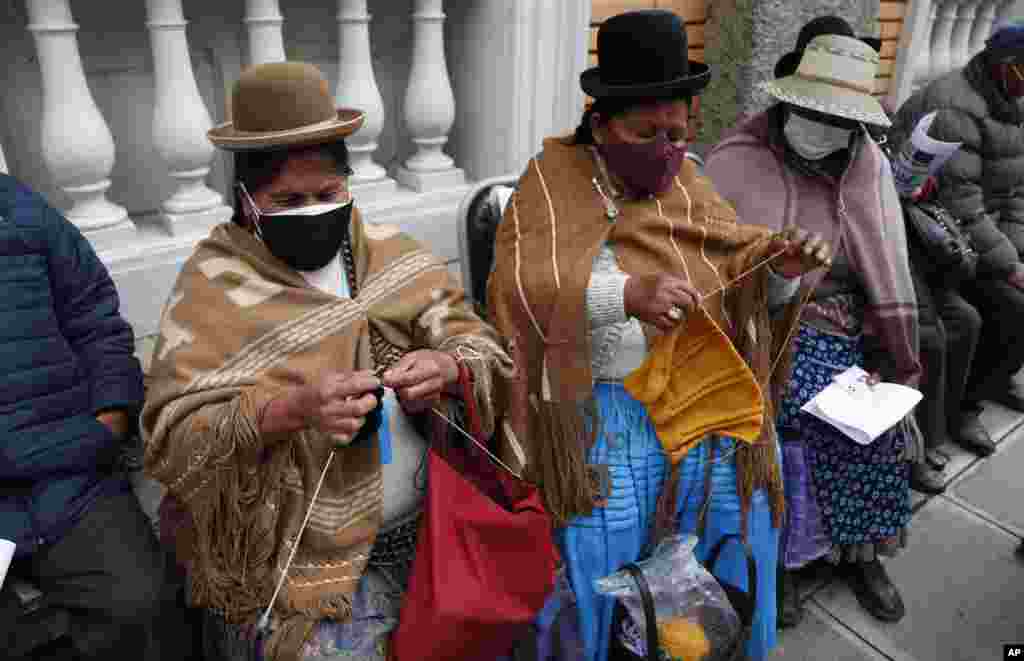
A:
(268, 360)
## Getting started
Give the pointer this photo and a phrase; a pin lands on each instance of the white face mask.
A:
(814, 140)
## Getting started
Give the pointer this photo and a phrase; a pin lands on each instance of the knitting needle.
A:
(265, 618)
(749, 271)
(476, 443)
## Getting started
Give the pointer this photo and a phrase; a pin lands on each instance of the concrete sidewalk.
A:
(960, 577)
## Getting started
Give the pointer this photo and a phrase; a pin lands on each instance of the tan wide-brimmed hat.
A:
(836, 76)
(283, 104)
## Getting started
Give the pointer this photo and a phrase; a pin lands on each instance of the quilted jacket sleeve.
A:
(1011, 218)
(88, 309)
(961, 192)
(960, 180)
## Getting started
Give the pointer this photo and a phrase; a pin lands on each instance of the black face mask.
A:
(302, 238)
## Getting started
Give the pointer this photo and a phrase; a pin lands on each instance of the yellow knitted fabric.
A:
(693, 383)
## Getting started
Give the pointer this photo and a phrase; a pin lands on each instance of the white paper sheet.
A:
(862, 412)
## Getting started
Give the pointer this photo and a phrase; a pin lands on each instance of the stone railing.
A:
(940, 36)
(79, 151)
(109, 120)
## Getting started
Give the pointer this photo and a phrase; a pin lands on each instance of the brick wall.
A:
(695, 13)
(890, 24)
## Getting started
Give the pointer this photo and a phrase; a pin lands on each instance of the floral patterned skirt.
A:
(862, 491)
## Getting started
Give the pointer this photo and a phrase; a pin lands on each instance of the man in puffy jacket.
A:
(982, 106)
(70, 390)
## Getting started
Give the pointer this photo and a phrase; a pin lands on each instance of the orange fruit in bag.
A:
(682, 639)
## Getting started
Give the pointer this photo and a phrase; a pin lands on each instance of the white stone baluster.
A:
(77, 145)
(180, 123)
(264, 20)
(429, 110)
(982, 27)
(942, 34)
(357, 88)
(961, 39)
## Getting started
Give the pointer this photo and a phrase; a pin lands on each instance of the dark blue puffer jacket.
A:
(65, 355)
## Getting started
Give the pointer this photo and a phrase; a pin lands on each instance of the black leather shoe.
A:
(973, 436)
(937, 459)
(791, 610)
(925, 479)
(875, 591)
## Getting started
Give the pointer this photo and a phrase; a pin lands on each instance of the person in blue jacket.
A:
(70, 392)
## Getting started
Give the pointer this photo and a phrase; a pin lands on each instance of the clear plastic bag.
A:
(695, 620)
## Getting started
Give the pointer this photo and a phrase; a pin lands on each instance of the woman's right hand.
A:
(336, 404)
(663, 301)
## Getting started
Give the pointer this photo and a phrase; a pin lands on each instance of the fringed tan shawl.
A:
(544, 252)
(240, 327)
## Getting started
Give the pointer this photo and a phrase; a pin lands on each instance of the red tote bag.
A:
(485, 558)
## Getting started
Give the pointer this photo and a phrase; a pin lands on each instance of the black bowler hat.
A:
(788, 63)
(644, 54)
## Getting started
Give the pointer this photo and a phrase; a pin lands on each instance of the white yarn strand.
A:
(265, 618)
(477, 443)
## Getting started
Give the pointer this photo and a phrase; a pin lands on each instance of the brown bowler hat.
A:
(283, 104)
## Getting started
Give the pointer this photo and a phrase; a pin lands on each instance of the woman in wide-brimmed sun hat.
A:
(810, 162)
(615, 244)
(270, 356)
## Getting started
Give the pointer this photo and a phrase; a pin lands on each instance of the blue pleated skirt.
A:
(601, 543)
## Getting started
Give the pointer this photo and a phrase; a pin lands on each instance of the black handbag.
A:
(743, 602)
(945, 245)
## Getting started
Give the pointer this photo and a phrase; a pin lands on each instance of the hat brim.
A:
(790, 62)
(347, 122)
(829, 99)
(700, 76)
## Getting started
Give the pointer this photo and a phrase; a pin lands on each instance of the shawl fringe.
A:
(757, 465)
(565, 483)
(233, 537)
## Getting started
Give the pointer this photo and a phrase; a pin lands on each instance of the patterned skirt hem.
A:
(869, 551)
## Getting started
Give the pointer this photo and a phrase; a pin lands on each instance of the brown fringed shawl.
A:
(239, 328)
(544, 252)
